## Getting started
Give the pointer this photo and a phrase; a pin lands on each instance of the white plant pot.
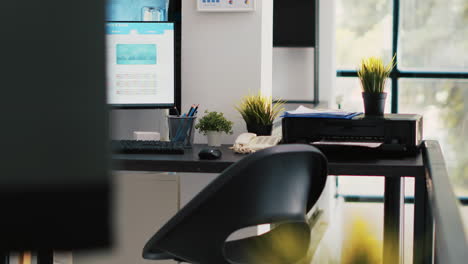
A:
(214, 138)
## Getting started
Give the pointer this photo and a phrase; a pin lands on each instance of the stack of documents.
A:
(303, 111)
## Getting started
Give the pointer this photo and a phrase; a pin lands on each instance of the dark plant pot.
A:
(374, 103)
(260, 130)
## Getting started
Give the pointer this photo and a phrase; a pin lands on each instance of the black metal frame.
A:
(379, 199)
(439, 236)
(397, 74)
(443, 227)
(370, 198)
(175, 15)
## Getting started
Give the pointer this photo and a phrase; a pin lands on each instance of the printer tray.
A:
(362, 152)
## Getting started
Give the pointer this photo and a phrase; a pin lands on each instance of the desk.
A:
(392, 169)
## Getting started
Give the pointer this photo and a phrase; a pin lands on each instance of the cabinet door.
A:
(143, 203)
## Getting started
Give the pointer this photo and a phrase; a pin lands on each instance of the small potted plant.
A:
(259, 112)
(373, 75)
(213, 124)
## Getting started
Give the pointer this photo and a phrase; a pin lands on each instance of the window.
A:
(430, 38)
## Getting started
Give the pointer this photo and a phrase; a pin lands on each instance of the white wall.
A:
(326, 52)
(224, 56)
(124, 122)
(293, 73)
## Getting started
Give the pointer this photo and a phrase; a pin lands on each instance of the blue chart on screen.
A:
(136, 54)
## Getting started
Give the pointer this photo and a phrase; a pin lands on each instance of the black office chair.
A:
(278, 185)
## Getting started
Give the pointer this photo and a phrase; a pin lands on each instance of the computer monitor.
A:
(140, 64)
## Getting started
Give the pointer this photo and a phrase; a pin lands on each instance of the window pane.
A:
(364, 28)
(444, 105)
(433, 35)
(349, 92)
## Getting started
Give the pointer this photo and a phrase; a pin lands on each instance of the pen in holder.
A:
(151, 13)
(181, 129)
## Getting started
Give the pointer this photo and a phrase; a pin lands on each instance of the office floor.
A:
(373, 213)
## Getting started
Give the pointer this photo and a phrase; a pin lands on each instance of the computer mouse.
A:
(210, 154)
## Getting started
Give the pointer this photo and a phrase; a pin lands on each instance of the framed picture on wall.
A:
(225, 5)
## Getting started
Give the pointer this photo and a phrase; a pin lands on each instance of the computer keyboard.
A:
(147, 147)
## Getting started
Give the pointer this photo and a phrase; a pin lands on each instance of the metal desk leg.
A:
(45, 257)
(4, 258)
(423, 249)
(393, 214)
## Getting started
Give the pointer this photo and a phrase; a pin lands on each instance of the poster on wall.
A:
(226, 5)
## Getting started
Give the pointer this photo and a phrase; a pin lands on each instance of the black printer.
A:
(391, 133)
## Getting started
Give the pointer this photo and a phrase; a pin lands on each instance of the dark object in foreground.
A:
(55, 184)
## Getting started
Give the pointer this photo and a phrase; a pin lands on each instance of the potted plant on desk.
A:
(373, 75)
(213, 124)
(259, 112)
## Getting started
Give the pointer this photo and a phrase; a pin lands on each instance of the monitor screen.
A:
(140, 64)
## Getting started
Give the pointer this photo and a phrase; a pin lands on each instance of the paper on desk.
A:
(303, 111)
(348, 143)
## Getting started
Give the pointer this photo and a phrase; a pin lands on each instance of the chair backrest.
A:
(274, 185)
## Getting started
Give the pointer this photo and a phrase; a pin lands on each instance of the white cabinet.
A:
(143, 202)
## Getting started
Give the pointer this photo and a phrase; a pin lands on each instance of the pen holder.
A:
(181, 129)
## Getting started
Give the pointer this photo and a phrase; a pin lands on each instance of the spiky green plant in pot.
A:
(259, 112)
(373, 75)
